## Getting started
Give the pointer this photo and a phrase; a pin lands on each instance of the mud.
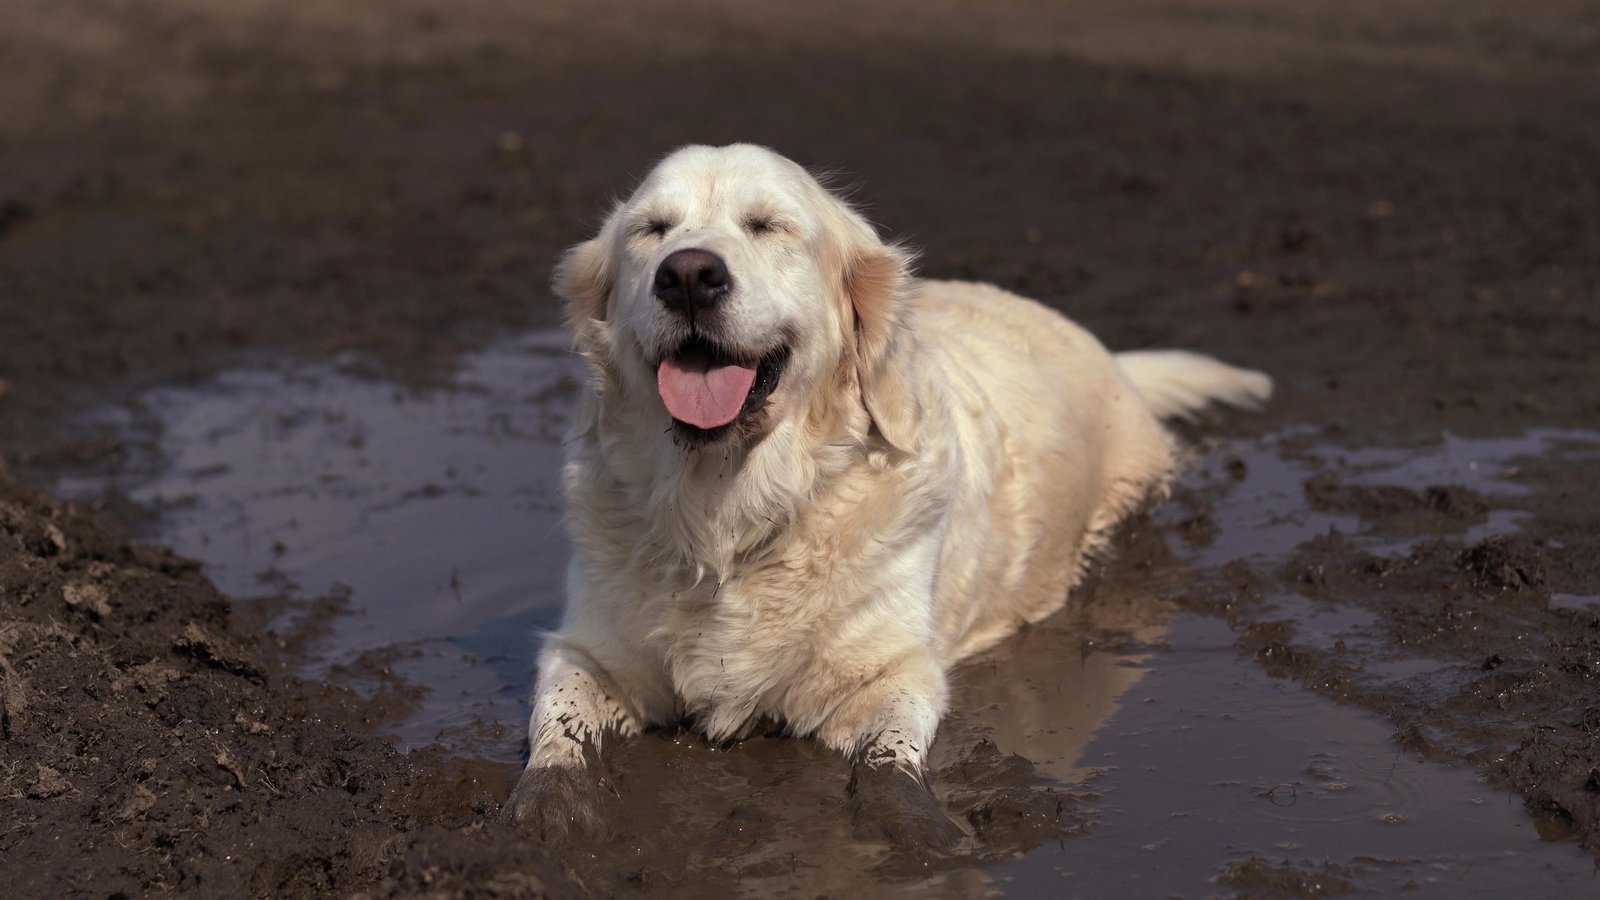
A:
(160, 747)
(270, 257)
(1457, 640)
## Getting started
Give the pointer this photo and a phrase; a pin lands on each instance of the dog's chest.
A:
(737, 655)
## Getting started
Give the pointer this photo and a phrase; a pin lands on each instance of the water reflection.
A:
(1045, 693)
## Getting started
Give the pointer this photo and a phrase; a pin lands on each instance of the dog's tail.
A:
(1176, 384)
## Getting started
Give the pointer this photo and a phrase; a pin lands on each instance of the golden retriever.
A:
(803, 484)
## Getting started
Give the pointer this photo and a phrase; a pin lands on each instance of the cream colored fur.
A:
(938, 465)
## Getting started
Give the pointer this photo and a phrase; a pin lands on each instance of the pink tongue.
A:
(703, 396)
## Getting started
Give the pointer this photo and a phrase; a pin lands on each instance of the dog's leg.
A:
(887, 727)
(562, 790)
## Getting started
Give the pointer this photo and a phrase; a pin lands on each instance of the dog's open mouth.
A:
(706, 388)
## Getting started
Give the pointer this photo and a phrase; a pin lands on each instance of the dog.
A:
(802, 484)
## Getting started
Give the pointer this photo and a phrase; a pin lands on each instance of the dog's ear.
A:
(877, 280)
(583, 281)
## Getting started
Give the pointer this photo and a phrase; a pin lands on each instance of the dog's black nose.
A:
(691, 280)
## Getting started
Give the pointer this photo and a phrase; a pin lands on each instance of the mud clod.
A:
(1506, 564)
(91, 598)
(1257, 877)
(1008, 803)
(47, 783)
(1555, 770)
(197, 641)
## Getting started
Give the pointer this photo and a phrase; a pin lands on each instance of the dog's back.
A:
(1061, 440)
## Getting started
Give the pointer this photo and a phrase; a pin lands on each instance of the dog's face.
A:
(729, 291)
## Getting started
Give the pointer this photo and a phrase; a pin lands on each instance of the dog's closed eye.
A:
(759, 224)
(652, 226)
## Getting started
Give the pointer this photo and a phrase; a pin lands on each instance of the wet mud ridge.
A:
(1463, 611)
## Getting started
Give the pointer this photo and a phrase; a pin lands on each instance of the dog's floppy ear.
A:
(583, 280)
(877, 280)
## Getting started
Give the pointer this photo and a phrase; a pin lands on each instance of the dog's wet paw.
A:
(892, 805)
(558, 804)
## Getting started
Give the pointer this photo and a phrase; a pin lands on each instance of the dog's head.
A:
(732, 293)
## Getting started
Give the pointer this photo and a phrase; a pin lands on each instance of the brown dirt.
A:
(153, 738)
(1395, 213)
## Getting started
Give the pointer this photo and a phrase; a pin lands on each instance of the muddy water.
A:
(432, 519)
(1211, 762)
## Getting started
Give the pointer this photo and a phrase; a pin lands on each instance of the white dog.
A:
(802, 484)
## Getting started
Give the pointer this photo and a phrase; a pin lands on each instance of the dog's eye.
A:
(760, 225)
(652, 227)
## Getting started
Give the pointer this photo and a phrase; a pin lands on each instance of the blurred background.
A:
(187, 178)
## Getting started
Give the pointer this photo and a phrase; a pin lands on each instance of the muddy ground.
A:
(1395, 214)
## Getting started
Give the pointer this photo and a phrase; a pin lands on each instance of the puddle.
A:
(1574, 602)
(1209, 760)
(1263, 511)
(436, 514)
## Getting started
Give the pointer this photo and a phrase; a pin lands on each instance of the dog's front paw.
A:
(887, 803)
(559, 804)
